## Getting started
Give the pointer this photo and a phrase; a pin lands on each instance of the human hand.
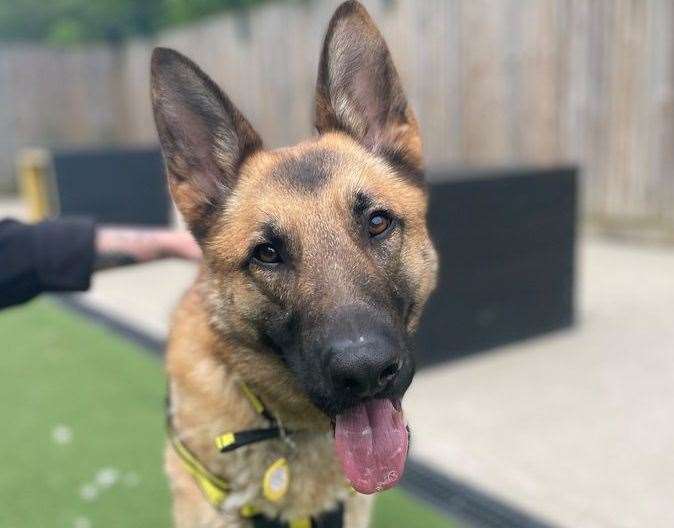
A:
(118, 246)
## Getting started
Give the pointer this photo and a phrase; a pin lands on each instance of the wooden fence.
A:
(494, 82)
(57, 97)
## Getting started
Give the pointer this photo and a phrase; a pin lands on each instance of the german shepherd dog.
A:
(317, 264)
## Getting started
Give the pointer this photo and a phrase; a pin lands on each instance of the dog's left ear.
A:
(359, 91)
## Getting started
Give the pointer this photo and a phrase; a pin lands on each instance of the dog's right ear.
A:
(203, 136)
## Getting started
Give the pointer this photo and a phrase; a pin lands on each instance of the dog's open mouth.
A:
(371, 440)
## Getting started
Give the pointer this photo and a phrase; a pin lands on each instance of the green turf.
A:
(82, 433)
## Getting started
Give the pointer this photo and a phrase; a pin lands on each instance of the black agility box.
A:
(115, 185)
(506, 242)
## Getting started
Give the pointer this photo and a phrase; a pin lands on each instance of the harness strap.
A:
(230, 441)
(256, 402)
(216, 490)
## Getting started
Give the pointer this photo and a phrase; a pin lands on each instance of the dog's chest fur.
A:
(206, 401)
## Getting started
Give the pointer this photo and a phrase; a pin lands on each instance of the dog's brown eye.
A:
(378, 223)
(267, 254)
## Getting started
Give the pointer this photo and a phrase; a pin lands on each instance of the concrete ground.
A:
(575, 427)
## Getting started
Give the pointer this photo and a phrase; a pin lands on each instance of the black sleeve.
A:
(55, 255)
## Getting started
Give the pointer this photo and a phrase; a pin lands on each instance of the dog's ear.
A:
(203, 136)
(359, 91)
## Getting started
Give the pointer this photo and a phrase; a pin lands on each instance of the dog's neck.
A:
(206, 398)
(209, 376)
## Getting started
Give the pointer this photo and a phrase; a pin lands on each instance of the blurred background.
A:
(545, 392)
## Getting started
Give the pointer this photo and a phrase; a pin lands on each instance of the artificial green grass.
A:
(395, 509)
(60, 373)
(82, 430)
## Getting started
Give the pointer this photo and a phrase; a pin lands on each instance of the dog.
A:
(292, 350)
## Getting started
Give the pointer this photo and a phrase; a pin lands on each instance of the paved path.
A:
(141, 296)
(576, 427)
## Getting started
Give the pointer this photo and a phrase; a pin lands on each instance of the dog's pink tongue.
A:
(371, 441)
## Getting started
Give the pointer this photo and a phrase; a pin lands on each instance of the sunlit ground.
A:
(82, 430)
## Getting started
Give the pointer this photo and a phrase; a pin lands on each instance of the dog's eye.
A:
(267, 254)
(378, 223)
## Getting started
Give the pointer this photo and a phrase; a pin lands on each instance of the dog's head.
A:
(320, 251)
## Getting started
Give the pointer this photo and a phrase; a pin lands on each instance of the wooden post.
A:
(36, 183)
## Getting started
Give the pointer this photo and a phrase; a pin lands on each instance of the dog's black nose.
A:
(363, 367)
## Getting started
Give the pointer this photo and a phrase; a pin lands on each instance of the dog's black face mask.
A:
(345, 356)
(354, 357)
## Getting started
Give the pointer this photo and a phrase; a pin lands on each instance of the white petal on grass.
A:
(131, 479)
(82, 522)
(89, 492)
(62, 434)
(107, 477)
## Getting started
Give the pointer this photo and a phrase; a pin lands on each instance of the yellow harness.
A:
(276, 478)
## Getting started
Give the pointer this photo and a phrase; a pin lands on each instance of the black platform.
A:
(506, 241)
(116, 186)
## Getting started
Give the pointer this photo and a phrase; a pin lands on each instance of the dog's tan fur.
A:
(206, 401)
(212, 344)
